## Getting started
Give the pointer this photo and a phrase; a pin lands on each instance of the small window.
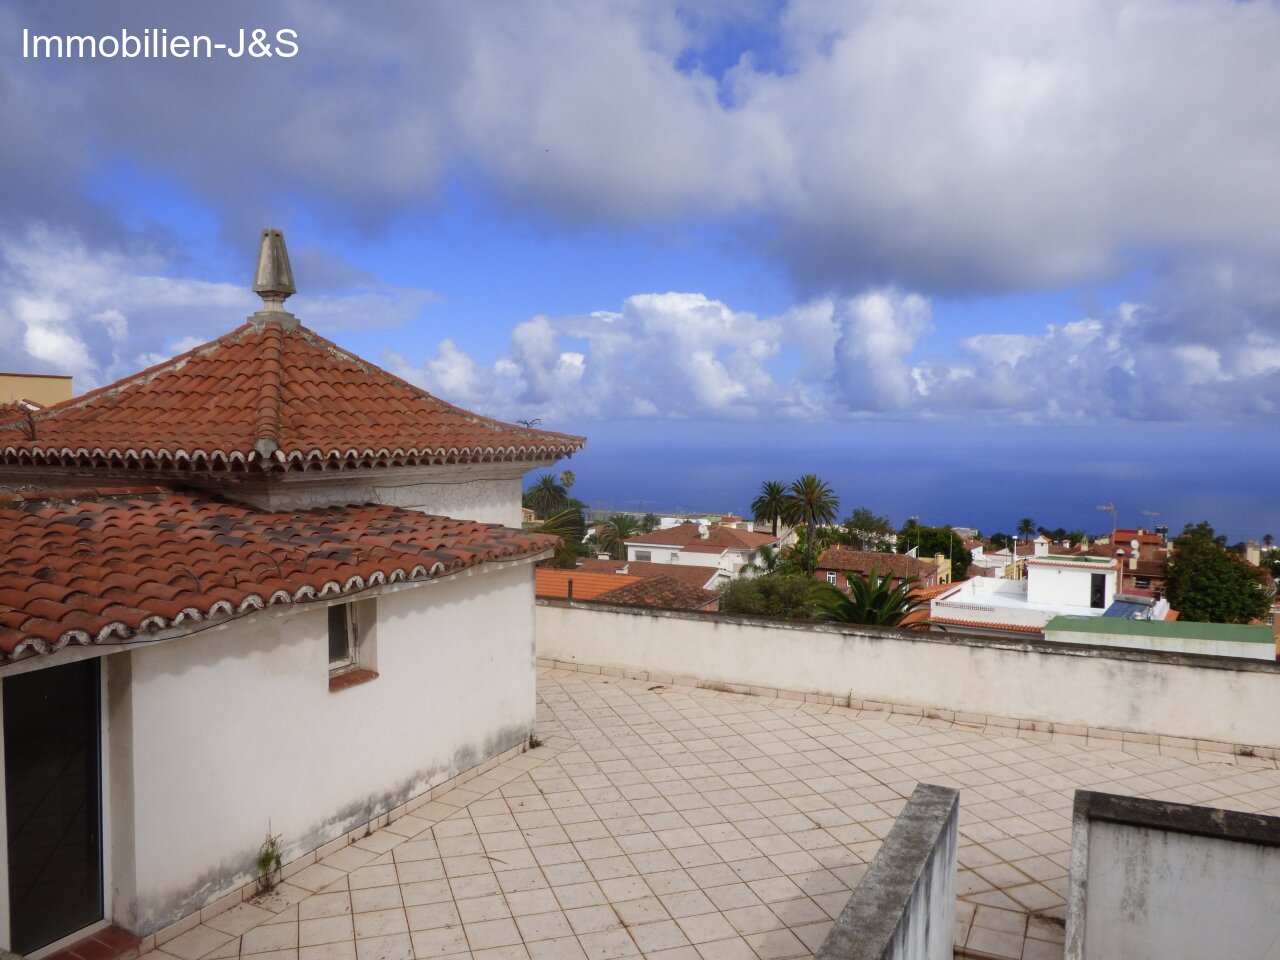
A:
(342, 636)
(644, 556)
(675, 556)
(352, 646)
(831, 577)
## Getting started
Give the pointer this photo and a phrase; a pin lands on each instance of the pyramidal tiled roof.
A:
(268, 396)
(109, 565)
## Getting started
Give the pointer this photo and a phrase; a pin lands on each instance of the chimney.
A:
(273, 281)
(1042, 546)
(704, 531)
(1253, 553)
(751, 527)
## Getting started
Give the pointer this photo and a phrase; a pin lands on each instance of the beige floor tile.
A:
(492, 933)
(345, 950)
(325, 930)
(196, 942)
(263, 939)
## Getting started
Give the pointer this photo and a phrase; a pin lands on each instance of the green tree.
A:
(649, 523)
(1206, 583)
(872, 600)
(569, 526)
(617, 530)
(769, 505)
(1268, 540)
(811, 502)
(1026, 528)
(776, 595)
(864, 530)
(931, 541)
(547, 496)
(1000, 541)
(567, 479)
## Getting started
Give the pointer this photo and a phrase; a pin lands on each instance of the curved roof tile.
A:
(91, 566)
(264, 398)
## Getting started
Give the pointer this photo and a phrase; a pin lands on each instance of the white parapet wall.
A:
(1152, 880)
(1065, 688)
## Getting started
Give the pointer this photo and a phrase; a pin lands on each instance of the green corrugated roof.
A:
(1174, 629)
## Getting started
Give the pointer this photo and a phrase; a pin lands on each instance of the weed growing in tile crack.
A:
(269, 863)
(535, 741)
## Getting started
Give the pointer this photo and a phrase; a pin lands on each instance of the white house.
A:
(235, 602)
(703, 545)
(1055, 585)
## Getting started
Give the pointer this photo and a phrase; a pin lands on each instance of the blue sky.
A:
(910, 246)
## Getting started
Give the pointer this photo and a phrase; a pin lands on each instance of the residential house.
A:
(1056, 584)
(34, 390)
(232, 574)
(700, 545)
(706, 578)
(835, 564)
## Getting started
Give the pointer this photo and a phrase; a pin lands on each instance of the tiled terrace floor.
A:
(687, 824)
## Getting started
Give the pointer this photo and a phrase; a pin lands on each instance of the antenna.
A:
(1111, 509)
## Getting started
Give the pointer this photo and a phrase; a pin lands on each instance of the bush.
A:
(774, 595)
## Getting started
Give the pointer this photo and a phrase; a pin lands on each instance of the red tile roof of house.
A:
(691, 574)
(986, 625)
(109, 565)
(264, 398)
(718, 538)
(664, 592)
(898, 565)
(554, 582)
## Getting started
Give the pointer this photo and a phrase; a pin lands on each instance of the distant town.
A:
(795, 554)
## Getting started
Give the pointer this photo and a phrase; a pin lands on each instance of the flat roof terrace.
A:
(683, 823)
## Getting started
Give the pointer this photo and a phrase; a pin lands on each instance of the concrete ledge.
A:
(1153, 878)
(1135, 697)
(904, 908)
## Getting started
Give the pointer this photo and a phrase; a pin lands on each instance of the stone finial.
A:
(273, 280)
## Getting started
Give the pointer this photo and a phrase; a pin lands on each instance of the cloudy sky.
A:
(1034, 245)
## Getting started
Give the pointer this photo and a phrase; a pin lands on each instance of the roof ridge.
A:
(143, 376)
(266, 423)
(317, 340)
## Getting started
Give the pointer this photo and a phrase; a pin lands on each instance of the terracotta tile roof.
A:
(691, 574)
(554, 582)
(898, 565)
(664, 592)
(268, 399)
(124, 563)
(987, 625)
(720, 538)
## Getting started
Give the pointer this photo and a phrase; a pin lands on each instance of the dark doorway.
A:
(1098, 590)
(51, 746)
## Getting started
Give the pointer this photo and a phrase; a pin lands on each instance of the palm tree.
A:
(615, 533)
(1026, 527)
(1268, 540)
(567, 480)
(872, 601)
(770, 503)
(767, 560)
(570, 527)
(811, 502)
(547, 496)
(649, 523)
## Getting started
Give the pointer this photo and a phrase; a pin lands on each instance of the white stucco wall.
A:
(1059, 586)
(1155, 894)
(233, 732)
(490, 493)
(1151, 693)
